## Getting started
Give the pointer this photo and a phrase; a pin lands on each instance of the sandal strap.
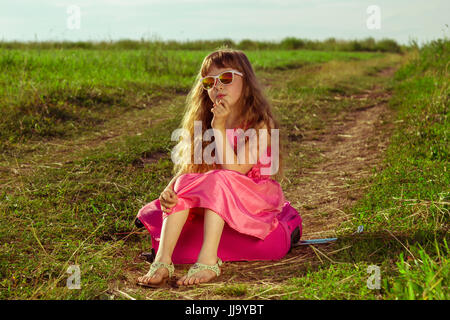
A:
(200, 267)
(156, 265)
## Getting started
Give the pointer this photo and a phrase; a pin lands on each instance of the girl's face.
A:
(229, 94)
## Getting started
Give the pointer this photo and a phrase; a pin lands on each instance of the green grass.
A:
(410, 194)
(78, 208)
(423, 276)
(60, 93)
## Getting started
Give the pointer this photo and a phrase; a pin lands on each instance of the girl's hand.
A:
(168, 199)
(221, 112)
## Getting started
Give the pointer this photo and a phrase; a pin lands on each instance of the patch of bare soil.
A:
(133, 122)
(352, 146)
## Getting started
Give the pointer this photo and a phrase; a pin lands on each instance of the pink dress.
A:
(260, 223)
(249, 203)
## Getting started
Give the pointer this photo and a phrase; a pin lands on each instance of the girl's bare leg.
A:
(170, 232)
(212, 232)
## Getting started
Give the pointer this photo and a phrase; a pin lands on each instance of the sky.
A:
(270, 20)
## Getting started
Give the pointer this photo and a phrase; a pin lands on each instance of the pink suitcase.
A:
(233, 246)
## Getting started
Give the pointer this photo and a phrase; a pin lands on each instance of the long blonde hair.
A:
(253, 107)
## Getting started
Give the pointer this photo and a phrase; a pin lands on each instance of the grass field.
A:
(85, 142)
(48, 93)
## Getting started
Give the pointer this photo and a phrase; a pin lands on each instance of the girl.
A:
(236, 197)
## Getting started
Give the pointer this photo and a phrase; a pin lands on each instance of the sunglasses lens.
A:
(226, 78)
(208, 82)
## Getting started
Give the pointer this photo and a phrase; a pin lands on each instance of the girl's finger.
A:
(222, 107)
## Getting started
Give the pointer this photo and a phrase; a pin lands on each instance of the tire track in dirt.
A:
(353, 145)
(57, 152)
